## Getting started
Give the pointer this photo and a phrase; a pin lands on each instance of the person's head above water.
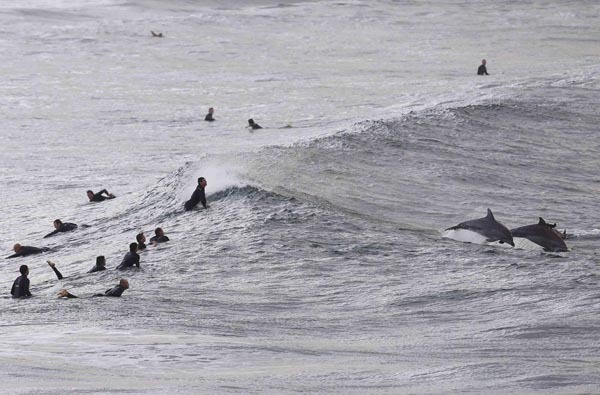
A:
(159, 232)
(100, 260)
(133, 247)
(124, 283)
(251, 122)
(483, 62)
(202, 182)
(90, 194)
(17, 247)
(211, 110)
(140, 237)
(57, 223)
(24, 270)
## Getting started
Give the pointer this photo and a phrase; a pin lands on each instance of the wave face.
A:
(320, 265)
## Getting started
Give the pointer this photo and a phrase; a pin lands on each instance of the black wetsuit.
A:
(197, 197)
(130, 259)
(256, 126)
(209, 117)
(141, 246)
(157, 239)
(97, 268)
(116, 291)
(20, 288)
(65, 227)
(482, 70)
(99, 198)
(26, 250)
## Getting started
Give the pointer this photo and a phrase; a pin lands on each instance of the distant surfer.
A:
(132, 258)
(154, 34)
(115, 291)
(253, 125)
(482, 70)
(159, 237)
(60, 227)
(20, 288)
(198, 196)
(98, 267)
(141, 240)
(209, 116)
(99, 196)
(26, 250)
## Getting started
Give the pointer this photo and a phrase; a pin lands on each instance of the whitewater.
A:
(320, 266)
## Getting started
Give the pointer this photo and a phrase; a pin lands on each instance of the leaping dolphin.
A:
(542, 234)
(482, 230)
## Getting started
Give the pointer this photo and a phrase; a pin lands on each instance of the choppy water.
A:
(320, 266)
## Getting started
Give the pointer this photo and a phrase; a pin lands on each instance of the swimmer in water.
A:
(60, 227)
(156, 34)
(253, 125)
(115, 291)
(20, 288)
(26, 250)
(482, 70)
(198, 196)
(132, 258)
(98, 267)
(209, 116)
(99, 196)
(159, 237)
(141, 240)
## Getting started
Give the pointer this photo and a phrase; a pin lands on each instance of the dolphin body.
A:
(542, 234)
(487, 229)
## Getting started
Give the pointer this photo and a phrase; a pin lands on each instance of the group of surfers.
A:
(20, 287)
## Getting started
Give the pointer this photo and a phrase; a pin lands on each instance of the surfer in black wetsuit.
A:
(60, 227)
(132, 258)
(26, 250)
(253, 125)
(141, 240)
(20, 288)
(159, 237)
(482, 70)
(98, 267)
(154, 34)
(209, 116)
(98, 196)
(198, 196)
(115, 291)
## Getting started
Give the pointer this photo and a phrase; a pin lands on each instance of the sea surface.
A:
(320, 266)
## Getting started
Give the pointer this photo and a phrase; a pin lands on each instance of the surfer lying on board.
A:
(60, 227)
(26, 250)
(99, 196)
(115, 291)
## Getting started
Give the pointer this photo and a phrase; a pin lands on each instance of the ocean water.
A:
(320, 266)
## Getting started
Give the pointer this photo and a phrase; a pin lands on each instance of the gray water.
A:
(320, 266)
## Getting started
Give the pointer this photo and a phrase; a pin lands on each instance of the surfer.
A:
(159, 237)
(115, 291)
(20, 288)
(156, 34)
(98, 267)
(60, 227)
(482, 70)
(99, 196)
(198, 196)
(253, 125)
(131, 258)
(209, 116)
(141, 240)
(26, 250)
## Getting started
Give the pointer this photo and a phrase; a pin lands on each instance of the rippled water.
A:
(320, 265)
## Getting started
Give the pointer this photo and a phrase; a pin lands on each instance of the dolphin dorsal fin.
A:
(490, 215)
(542, 222)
